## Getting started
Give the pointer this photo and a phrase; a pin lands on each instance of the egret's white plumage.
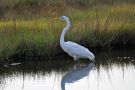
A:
(73, 49)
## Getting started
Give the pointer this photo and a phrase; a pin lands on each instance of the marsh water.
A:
(113, 70)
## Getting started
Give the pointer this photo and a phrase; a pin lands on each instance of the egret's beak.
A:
(55, 18)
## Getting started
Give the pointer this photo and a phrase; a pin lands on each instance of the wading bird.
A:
(73, 49)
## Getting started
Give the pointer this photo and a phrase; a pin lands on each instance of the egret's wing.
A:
(76, 49)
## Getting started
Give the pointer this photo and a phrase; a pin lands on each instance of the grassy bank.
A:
(27, 28)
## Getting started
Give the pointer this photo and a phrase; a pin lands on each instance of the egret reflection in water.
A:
(78, 72)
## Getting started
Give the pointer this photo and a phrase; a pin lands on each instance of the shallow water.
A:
(113, 70)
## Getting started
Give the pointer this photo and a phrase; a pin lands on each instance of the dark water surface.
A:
(113, 70)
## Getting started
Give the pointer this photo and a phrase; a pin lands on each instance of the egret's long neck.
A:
(64, 31)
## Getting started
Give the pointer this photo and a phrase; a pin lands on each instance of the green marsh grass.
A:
(99, 26)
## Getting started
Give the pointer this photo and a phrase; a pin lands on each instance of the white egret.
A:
(73, 49)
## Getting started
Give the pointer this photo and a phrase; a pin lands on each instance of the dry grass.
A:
(23, 33)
